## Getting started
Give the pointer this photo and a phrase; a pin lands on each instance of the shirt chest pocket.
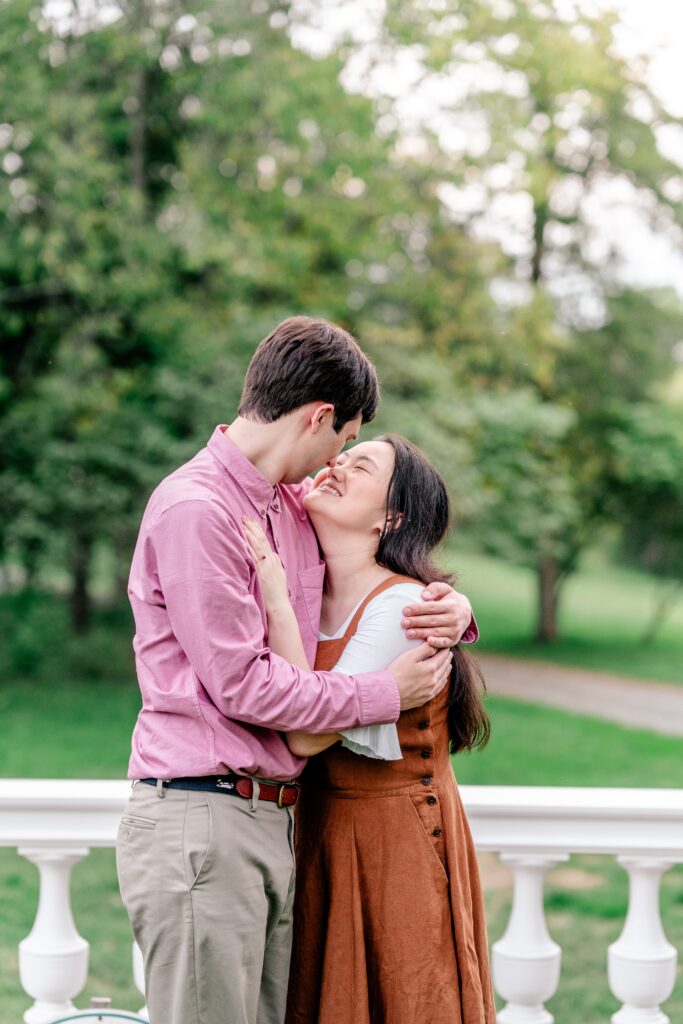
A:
(308, 598)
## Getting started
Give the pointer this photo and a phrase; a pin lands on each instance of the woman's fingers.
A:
(256, 538)
(439, 641)
(422, 653)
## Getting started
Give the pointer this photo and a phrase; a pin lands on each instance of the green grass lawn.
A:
(603, 614)
(84, 731)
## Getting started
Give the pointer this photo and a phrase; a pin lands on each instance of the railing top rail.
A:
(77, 812)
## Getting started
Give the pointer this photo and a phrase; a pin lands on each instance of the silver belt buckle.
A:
(224, 784)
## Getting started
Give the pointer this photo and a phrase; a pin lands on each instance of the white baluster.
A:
(526, 961)
(53, 959)
(641, 964)
(139, 977)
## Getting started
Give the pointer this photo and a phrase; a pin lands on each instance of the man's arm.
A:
(204, 574)
(204, 571)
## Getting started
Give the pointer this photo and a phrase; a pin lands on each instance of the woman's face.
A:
(353, 492)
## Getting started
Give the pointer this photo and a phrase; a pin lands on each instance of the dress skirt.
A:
(389, 923)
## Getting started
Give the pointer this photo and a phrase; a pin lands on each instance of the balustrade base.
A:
(640, 1015)
(45, 1013)
(515, 1014)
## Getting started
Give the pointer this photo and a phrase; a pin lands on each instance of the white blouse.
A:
(378, 639)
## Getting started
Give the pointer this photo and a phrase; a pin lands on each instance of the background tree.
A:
(533, 121)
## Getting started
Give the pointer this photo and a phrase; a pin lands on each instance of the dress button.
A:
(431, 800)
(436, 832)
(424, 724)
(426, 780)
(425, 754)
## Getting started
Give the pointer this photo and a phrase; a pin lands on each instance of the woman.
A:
(389, 922)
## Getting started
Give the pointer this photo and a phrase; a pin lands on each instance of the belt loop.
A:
(161, 792)
(255, 790)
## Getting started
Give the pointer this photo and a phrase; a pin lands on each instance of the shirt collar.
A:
(260, 491)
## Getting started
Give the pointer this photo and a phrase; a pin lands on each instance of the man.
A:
(204, 851)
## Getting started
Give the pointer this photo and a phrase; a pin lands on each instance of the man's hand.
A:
(420, 674)
(442, 619)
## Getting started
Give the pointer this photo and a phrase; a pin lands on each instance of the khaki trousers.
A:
(208, 883)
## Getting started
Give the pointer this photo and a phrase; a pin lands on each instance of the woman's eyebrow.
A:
(367, 458)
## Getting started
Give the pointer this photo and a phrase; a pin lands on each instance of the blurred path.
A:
(654, 706)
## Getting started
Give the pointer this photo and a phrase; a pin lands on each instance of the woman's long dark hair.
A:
(417, 519)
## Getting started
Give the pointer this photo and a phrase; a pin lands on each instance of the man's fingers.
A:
(425, 634)
(435, 590)
(426, 608)
(425, 621)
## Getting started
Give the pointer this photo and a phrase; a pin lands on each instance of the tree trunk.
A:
(548, 593)
(540, 220)
(80, 597)
(667, 599)
(138, 134)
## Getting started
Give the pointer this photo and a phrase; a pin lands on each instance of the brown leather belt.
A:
(284, 794)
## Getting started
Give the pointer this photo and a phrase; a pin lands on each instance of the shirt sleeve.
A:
(471, 634)
(204, 574)
(378, 640)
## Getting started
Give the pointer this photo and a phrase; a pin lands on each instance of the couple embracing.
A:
(280, 619)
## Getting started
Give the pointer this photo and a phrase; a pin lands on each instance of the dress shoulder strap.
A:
(390, 581)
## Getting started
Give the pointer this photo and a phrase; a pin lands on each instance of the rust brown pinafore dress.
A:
(389, 924)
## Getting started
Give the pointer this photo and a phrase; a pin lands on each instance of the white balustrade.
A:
(54, 823)
(641, 963)
(526, 961)
(53, 959)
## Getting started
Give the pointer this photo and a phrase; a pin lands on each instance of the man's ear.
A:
(322, 414)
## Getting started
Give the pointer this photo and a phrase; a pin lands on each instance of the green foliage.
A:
(604, 614)
(182, 177)
(647, 491)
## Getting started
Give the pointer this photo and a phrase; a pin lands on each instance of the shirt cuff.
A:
(471, 634)
(379, 698)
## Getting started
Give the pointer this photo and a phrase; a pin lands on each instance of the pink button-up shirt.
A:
(214, 697)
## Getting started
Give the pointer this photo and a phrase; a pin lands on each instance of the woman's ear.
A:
(389, 523)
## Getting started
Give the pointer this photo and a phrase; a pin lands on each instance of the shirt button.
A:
(275, 507)
(436, 832)
(262, 512)
(426, 780)
(425, 754)
(424, 724)
(431, 800)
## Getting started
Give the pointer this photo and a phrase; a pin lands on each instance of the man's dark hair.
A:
(305, 360)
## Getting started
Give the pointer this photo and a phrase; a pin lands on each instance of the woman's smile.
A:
(330, 489)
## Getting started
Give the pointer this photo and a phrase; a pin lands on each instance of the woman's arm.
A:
(284, 636)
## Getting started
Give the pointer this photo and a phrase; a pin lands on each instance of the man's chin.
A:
(294, 478)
